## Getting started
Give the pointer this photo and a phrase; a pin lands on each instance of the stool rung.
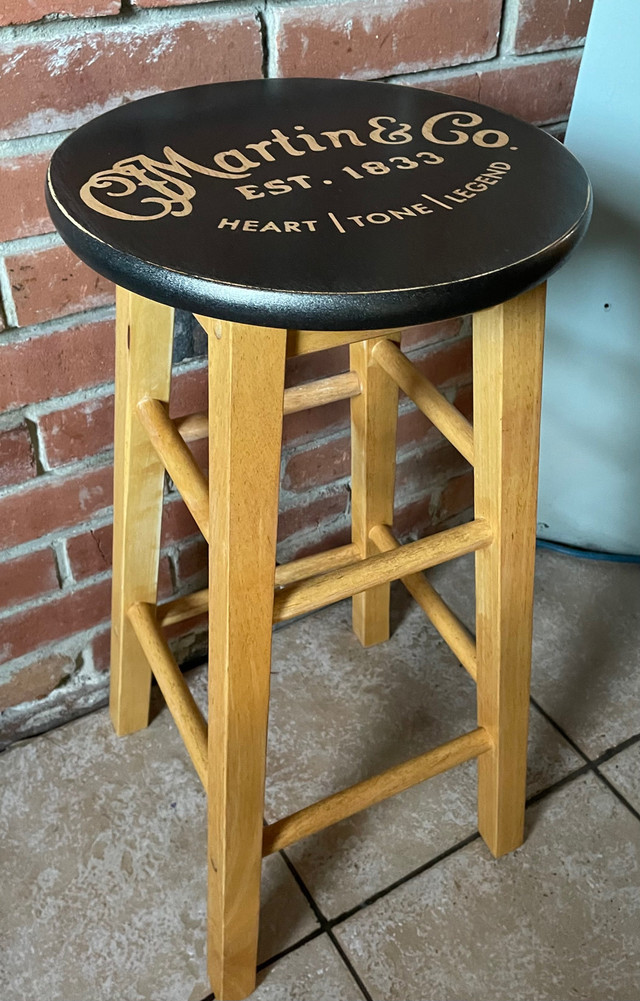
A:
(453, 425)
(306, 596)
(197, 603)
(180, 701)
(358, 797)
(454, 633)
(177, 460)
(312, 394)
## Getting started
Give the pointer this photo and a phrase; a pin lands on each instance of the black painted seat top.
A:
(322, 204)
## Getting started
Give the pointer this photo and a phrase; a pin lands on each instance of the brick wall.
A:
(61, 63)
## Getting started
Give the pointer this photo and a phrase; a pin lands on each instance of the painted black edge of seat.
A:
(317, 311)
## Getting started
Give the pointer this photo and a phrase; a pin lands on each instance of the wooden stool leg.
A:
(246, 371)
(374, 416)
(144, 341)
(507, 362)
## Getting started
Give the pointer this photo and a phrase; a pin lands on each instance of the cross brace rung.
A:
(306, 596)
(311, 394)
(177, 460)
(358, 797)
(197, 603)
(453, 425)
(180, 701)
(453, 632)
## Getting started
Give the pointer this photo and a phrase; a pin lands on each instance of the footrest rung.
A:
(177, 460)
(364, 794)
(187, 717)
(306, 596)
(454, 633)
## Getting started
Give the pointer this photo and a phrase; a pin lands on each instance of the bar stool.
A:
(291, 216)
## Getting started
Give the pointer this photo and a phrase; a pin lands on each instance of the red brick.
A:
(314, 514)
(189, 392)
(54, 282)
(91, 553)
(314, 467)
(17, 462)
(317, 365)
(24, 212)
(308, 425)
(23, 11)
(35, 680)
(192, 562)
(430, 333)
(393, 36)
(539, 92)
(101, 651)
(55, 364)
(27, 577)
(54, 619)
(177, 523)
(446, 363)
(327, 540)
(77, 432)
(546, 24)
(456, 497)
(60, 82)
(53, 503)
(418, 473)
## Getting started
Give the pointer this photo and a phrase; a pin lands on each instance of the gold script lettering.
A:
(125, 177)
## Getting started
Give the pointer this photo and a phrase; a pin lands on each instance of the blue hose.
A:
(586, 554)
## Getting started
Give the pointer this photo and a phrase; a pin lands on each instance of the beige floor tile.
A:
(102, 843)
(624, 772)
(314, 972)
(341, 713)
(586, 648)
(557, 919)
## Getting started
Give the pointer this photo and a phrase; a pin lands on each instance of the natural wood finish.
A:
(144, 340)
(311, 566)
(453, 425)
(180, 701)
(311, 394)
(318, 393)
(303, 342)
(374, 418)
(454, 633)
(507, 361)
(296, 599)
(246, 386)
(177, 460)
(358, 797)
(197, 603)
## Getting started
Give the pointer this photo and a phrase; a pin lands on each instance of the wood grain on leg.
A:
(374, 417)
(144, 339)
(246, 371)
(507, 350)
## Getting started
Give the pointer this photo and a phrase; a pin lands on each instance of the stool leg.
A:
(507, 362)
(144, 340)
(246, 370)
(374, 417)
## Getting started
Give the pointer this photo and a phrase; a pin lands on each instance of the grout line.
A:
(404, 879)
(559, 784)
(611, 753)
(325, 925)
(560, 730)
(6, 295)
(291, 948)
(616, 792)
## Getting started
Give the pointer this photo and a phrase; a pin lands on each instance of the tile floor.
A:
(103, 840)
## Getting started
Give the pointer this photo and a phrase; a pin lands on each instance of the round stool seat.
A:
(322, 204)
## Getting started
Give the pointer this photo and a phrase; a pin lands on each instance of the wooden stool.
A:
(292, 216)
